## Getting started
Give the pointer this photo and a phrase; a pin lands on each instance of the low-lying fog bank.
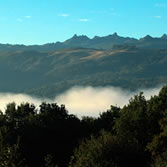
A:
(82, 101)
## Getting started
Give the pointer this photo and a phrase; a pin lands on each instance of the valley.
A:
(49, 73)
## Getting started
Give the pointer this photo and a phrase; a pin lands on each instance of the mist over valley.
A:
(82, 101)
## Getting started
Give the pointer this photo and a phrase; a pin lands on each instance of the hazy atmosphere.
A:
(82, 101)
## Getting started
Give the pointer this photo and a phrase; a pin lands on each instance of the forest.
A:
(48, 136)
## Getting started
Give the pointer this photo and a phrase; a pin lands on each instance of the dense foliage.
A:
(135, 135)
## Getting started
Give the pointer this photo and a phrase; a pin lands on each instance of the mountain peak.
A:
(147, 37)
(114, 34)
(79, 36)
(96, 37)
(77, 40)
(164, 36)
(75, 36)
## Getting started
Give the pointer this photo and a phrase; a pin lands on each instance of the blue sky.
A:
(43, 21)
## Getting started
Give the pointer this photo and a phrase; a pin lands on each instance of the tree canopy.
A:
(135, 135)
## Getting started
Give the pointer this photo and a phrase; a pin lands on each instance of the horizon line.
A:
(75, 35)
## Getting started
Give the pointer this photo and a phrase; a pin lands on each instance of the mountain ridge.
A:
(104, 42)
(50, 69)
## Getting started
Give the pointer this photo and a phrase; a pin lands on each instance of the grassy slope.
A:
(46, 74)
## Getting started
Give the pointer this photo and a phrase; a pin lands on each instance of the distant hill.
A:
(83, 41)
(49, 73)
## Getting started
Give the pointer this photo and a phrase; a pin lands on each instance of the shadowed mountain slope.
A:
(49, 73)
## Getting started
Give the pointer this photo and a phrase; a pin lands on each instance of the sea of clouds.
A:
(82, 101)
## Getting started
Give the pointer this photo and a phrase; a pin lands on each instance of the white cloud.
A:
(84, 20)
(21, 19)
(158, 17)
(28, 17)
(64, 15)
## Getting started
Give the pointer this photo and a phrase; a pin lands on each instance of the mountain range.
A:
(50, 69)
(97, 42)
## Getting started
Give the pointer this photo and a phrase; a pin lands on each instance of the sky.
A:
(45, 21)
